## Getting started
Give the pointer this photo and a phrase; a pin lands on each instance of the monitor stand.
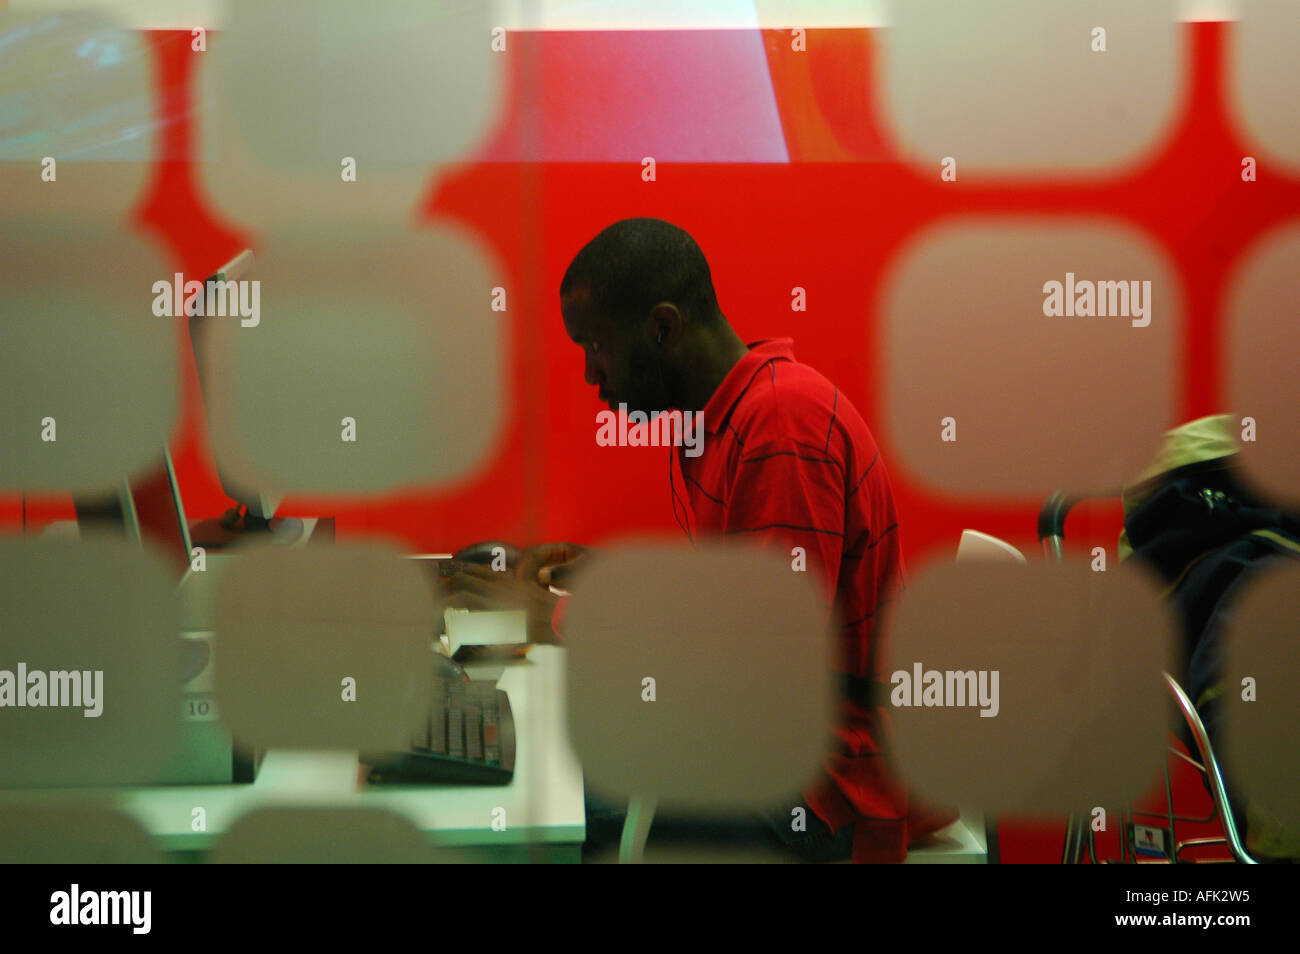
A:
(235, 527)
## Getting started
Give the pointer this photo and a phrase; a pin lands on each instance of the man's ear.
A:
(666, 321)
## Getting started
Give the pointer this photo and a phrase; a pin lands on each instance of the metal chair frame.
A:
(1051, 534)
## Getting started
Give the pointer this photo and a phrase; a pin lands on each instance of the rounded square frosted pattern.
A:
(94, 627)
(290, 89)
(75, 87)
(1030, 689)
(988, 394)
(89, 373)
(323, 647)
(314, 836)
(698, 676)
(1016, 86)
(73, 834)
(1262, 54)
(1262, 351)
(376, 362)
(689, 14)
(1261, 735)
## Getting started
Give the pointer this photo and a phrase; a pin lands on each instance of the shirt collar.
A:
(718, 410)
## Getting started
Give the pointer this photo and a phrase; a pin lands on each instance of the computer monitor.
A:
(118, 515)
(112, 514)
(259, 503)
(187, 544)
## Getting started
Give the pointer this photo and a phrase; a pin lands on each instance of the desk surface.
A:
(543, 803)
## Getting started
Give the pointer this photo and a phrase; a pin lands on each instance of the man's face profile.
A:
(619, 359)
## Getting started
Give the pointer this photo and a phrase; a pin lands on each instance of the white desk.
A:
(543, 803)
(964, 842)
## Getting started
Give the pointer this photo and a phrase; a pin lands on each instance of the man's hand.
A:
(482, 588)
(548, 564)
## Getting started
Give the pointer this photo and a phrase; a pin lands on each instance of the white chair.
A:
(972, 838)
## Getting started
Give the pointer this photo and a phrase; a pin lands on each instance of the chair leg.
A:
(991, 842)
(636, 829)
(1074, 834)
(1218, 789)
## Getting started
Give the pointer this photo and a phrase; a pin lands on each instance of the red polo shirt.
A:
(787, 461)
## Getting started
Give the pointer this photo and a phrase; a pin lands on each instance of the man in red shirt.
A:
(787, 462)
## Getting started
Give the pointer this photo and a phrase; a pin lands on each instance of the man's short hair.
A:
(634, 264)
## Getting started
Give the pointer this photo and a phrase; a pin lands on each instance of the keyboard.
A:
(469, 739)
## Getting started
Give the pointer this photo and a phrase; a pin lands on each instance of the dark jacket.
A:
(1206, 534)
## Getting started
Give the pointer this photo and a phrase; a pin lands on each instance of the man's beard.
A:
(652, 389)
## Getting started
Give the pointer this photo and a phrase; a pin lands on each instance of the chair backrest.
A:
(980, 546)
(969, 839)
